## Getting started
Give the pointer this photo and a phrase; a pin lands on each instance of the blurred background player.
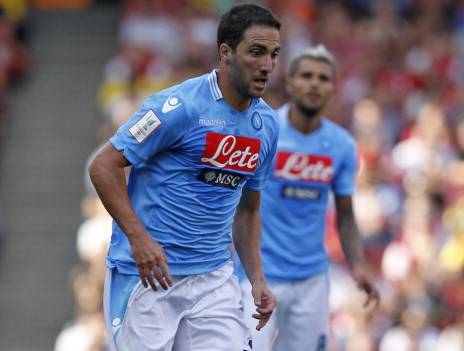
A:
(314, 158)
(193, 148)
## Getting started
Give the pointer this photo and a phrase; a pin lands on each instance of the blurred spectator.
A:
(60, 4)
(16, 11)
(87, 331)
(15, 60)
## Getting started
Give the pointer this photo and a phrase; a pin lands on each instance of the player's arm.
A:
(247, 236)
(107, 175)
(353, 248)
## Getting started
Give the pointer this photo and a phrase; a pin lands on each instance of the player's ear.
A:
(225, 52)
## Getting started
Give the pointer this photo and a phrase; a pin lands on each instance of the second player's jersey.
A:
(306, 168)
(191, 155)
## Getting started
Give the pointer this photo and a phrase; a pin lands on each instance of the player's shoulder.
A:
(337, 132)
(179, 99)
(282, 115)
(267, 113)
(264, 109)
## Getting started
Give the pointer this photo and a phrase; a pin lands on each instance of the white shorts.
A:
(300, 321)
(198, 313)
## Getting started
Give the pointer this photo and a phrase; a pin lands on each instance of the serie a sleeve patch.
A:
(145, 126)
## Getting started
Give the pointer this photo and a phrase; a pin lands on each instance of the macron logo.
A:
(170, 104)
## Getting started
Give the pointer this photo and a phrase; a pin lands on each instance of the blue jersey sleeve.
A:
(257, 182)
(345, 176)
(158, 125)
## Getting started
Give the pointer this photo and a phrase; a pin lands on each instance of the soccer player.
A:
(314, 157)
(197, 151)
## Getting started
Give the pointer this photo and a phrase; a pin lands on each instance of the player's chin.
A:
(257, 91)
(312, 106)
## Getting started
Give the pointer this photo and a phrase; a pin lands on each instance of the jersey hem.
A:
(174, 269)
(280, 279)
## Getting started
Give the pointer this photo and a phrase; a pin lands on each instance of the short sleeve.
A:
(345, 176)
(157, 126)
(257, 182)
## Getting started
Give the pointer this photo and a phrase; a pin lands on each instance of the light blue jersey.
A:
(306, 168)
(191, 155)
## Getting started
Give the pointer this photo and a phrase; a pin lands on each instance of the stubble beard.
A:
(236, 78)
(309, 112)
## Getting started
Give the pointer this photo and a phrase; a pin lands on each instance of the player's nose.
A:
(266, 64)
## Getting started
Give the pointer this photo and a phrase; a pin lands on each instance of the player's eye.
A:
(307, 75)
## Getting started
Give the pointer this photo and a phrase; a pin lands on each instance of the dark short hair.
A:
(239, 18)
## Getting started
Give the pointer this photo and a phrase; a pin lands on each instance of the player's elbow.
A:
(97, 168)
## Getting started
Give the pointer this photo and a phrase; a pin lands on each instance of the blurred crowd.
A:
(14, 56)
(15, 59)
(400, 91)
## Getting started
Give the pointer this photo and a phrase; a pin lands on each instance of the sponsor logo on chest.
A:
(221, 178)
(301, 193)
(305, 167)
(231, 152)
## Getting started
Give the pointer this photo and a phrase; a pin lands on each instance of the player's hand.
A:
(265, 303)
(364, 282)
(151, 262)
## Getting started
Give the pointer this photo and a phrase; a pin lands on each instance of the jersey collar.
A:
(216, 92)
(213, 85)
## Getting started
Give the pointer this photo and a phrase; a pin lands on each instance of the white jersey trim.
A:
(213, 85)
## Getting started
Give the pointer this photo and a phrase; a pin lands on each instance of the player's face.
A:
(254, 59)
(312, 84)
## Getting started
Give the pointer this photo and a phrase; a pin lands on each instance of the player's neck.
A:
(303, 122)
(230, 94)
